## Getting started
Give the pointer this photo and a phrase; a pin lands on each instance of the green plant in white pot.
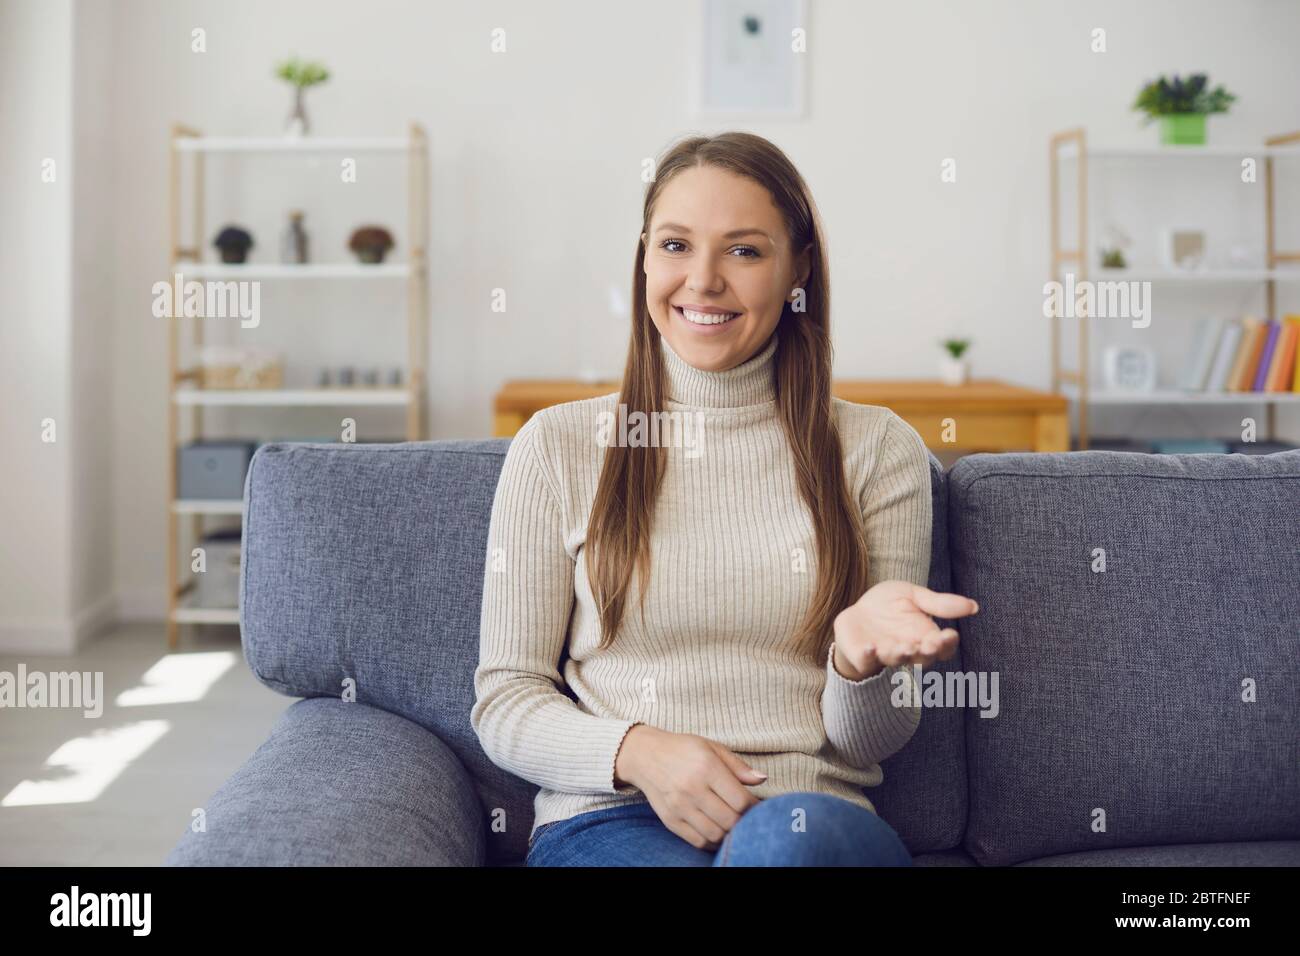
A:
(300, 75)
(953, 368)
(1181, 106)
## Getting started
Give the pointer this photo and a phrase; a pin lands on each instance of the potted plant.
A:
(1181, 106)
(953, 369)
(234, 244)
(302, 75)
(371, 243)
(1112, 249)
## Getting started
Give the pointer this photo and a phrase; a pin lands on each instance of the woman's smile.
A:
(709, 320)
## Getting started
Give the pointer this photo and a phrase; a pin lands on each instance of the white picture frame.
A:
(1183, 248)
(745, 66)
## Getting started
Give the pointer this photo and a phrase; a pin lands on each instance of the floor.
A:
(119, 789)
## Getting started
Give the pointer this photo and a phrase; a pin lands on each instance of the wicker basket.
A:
(223, 369)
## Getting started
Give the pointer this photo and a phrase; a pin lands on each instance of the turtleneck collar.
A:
(752, 382)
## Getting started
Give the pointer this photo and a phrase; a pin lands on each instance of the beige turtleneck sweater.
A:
(733, 570)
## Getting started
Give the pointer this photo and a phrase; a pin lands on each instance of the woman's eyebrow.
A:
(734, 234)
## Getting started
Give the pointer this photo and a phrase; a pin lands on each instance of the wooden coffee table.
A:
(984, 414)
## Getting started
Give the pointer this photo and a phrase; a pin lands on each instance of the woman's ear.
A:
(803, 266)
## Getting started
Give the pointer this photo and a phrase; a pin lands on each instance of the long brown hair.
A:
(623, 511)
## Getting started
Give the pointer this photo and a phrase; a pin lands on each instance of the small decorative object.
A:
(293, 244)
(326, 378)
(395, 376)
(1129, 368)
(302, 75)
(1181, 106)
(371, 243)
(371, 377)
(953, 369)
(1112, 250)
(347, 376)
(231, 367)
(234, 244)
(1184, 249)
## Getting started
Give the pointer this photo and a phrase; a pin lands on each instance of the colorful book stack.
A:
(1249, 354)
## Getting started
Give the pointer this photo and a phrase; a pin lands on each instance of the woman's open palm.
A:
(891, 624)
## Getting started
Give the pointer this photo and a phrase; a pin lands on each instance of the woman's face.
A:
(718, 245)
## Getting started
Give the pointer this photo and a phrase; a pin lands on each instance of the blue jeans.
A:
(830, 831)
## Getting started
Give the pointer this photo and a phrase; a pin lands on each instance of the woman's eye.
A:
(753, 253)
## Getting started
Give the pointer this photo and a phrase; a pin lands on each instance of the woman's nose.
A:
(703, 276)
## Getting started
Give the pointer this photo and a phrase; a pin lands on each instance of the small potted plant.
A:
(302, 75)
(953, 369)
(234, 244)
(1112, 249)
(371, 243)
(1181, 106)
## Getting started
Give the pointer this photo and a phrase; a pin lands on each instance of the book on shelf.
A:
(1249, 354)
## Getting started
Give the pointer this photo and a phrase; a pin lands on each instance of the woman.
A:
(780, 561)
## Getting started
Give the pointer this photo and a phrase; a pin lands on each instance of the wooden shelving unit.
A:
(1072, 145)
(185, 335)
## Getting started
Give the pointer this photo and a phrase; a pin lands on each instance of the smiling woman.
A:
(778, 568)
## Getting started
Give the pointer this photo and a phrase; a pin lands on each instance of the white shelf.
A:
(1070, 151)
(206, 615)
(264, 397)
(310, 270)
(196, 506)
(1174, 396)
(1203, 275)
(287, 144)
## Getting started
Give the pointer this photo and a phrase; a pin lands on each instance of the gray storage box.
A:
(214, 470)
(218, 586)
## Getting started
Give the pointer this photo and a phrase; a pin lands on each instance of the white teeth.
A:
(705, 318)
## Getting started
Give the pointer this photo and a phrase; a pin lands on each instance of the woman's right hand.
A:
(695, 785)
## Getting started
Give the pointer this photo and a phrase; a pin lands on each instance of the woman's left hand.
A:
(891, 625)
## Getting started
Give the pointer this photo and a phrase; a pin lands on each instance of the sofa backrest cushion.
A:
(365, 562)
(922, 794)
(1150, 699)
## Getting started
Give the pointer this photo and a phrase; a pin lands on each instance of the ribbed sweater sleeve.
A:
(525, 722)
(861, 721)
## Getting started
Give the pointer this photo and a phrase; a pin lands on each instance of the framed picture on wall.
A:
(751, 60)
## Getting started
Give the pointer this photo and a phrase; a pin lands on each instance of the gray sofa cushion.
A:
(1260, 853)
(365, 562)
(923, 791)
(341, 784)
(1122, 691)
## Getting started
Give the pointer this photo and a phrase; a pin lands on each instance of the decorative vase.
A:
(296, 124)
(293, 244)
(953, 371)
(1182, 129)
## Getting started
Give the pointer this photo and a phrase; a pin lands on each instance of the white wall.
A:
(535, 182)
(35, 260)
(56, 568)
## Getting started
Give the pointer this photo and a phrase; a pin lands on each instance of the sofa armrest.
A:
(341, 784)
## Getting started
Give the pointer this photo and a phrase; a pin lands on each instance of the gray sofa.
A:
(1122, 736)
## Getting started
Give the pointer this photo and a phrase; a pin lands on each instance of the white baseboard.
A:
(59, 637)
(62, 637)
